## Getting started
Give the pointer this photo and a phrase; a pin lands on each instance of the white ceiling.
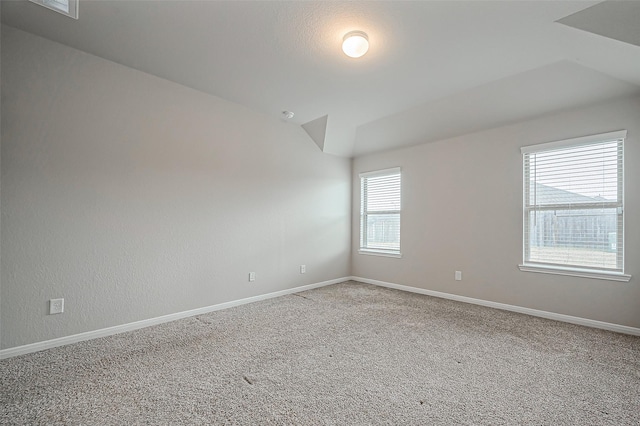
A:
(434, 69)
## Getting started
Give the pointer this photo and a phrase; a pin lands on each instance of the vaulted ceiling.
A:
(434, 69)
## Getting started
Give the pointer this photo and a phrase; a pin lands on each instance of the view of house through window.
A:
(380, 199)
(573, 203)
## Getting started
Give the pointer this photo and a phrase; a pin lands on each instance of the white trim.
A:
(109, 331)
(372, 252)
(584, 273)
(558, 165)
(391, 171)
(584, 140)
(528, 311)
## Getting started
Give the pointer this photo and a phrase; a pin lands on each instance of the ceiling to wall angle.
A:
(433, 70)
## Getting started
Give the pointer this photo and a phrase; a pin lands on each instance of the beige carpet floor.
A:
(346, 354)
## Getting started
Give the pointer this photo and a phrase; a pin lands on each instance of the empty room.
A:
(320, 212)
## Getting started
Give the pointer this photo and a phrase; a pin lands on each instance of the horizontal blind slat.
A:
(572, 195)
(380, 211)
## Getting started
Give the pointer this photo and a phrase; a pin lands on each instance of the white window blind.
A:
(66, 7)
(380, 201)
(573, 203)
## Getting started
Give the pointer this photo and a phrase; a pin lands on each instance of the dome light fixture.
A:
(355, 44)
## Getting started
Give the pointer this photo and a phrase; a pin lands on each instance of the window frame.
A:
(363, 249)
(574, 270)
(50, 4)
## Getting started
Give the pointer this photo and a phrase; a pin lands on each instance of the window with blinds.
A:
(573, 204)
(66, 7)
(380, 201)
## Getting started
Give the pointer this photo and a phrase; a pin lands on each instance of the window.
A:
(380, 194)
(574, 208)
(66, 7)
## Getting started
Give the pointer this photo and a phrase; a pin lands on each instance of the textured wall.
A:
(462, 210)
(134, 197)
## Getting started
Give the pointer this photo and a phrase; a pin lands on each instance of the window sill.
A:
(584, 273)
(379, 253)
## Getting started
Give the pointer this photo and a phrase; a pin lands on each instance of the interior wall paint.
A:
(462, 211)
(133, 197)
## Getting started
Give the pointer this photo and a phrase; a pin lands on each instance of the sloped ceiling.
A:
(434, 69)
(618, 20)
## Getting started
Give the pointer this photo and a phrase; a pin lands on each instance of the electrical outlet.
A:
(252, 276)
(303, 269)
(56, 306)
(458, 276)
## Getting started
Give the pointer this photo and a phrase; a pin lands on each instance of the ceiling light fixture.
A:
(355, 44)
(287, 115)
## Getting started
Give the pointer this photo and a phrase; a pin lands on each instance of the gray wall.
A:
(133, 197)
(462, 210)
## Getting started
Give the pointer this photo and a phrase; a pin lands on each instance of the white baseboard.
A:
(534, 312)
(48, 344)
